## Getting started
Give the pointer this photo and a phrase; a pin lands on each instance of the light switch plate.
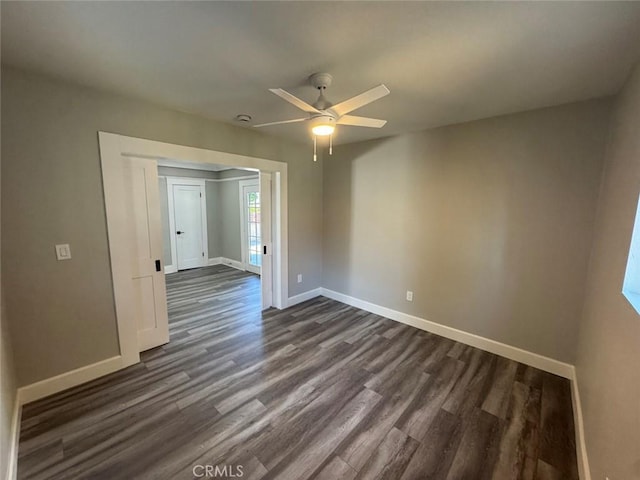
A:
(63, 251)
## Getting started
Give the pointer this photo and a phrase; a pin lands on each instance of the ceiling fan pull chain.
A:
(330, 144)
(315, 157)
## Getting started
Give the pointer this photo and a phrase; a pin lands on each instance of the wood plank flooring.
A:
(319, 391)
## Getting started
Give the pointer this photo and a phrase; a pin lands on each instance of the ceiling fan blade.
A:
(361, 121)
(302, 105)
(360, 100)
(282, 122)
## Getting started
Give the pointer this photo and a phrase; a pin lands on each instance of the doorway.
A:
(187, 209)
(117, 153)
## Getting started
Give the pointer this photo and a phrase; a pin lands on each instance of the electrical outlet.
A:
(409, 296)
(299, 278)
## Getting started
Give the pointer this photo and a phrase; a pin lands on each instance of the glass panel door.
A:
(253, 227)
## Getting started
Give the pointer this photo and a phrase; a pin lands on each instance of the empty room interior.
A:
(320, 240)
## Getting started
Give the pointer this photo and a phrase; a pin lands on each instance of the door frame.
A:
(196, 182)
(243, 222)
(113, 149)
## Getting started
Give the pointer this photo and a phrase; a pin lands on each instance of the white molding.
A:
(226, 261)
(231, 179)
(170, 269)
(232, 263)
(172, 226)
(49, 386)
(279, 225)
(266, 268)
(12, 464)
(113, 147)
(44, 388)
(513, 353)
(115, 196)
(304, 296)
(243, 222)
(578, 425)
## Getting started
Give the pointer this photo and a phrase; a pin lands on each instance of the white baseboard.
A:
(517, 354)
(513, 353)
(49, 386)
(44, 388)
(210, 262)
(12, 463)
(226, 261)
(233, 263)
(85, 374)
(578, 425)
(304, 296)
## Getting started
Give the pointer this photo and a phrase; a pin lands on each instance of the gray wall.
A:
(164, 218)
(223, 210)
(51, 170)
(608, 361)
(213, 219)
(229, 220)
(489, 223)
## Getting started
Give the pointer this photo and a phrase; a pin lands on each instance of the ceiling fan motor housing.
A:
(321, 81)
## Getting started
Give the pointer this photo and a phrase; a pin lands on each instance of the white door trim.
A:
(266, 239)
(243, 222)
(198, 182)
(112, 148)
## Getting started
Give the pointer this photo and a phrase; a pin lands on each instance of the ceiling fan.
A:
(324, 116)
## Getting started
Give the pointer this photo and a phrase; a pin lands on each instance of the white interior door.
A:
(189, 226)
(148, 290)
(251, 230)
(267, 256)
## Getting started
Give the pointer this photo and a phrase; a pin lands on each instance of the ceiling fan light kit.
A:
(324, 116)
(323, 125)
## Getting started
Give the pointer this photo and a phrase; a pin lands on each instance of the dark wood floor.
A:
(318, 391)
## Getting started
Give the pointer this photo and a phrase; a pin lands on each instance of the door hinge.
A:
(200, 195)
(203, 254)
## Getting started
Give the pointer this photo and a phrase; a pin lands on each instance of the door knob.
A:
(179, 232)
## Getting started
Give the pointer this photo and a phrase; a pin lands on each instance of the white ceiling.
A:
(444, 62)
